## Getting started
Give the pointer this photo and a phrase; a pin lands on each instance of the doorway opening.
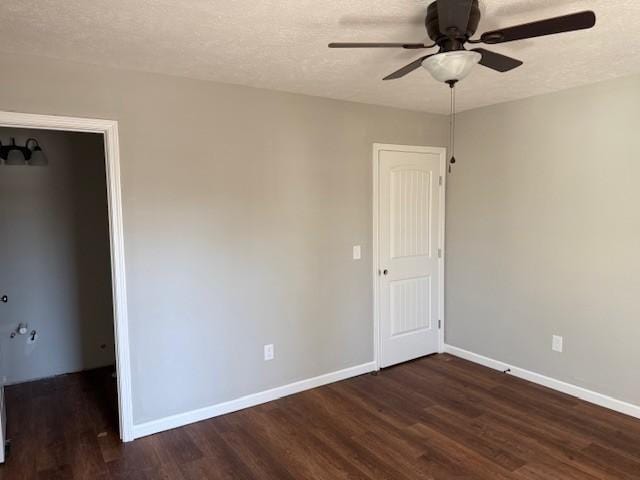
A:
(64, 350)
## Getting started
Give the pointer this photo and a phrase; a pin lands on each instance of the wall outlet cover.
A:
(268, 352)
(556, 343)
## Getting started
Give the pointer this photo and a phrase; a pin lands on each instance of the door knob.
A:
(4, 299)
(385, 272)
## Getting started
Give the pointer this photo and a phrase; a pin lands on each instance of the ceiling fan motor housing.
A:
(451, 24)
(433, 28)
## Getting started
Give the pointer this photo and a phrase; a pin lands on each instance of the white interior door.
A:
(3, 426)
(6, 316)
(409, 246)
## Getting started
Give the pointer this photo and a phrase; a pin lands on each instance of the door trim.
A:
(109, 129)
(442, 152)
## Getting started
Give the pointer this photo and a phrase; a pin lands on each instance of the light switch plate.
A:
(357, 253)
(556, 343)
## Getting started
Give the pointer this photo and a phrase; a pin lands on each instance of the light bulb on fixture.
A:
(451, 66)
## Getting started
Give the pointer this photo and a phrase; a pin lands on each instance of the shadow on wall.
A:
(92, 250)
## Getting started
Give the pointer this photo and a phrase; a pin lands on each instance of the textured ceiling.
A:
(282, 44)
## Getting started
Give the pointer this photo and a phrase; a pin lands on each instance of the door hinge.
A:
(439, 324)
(440, 180)
(439, 253)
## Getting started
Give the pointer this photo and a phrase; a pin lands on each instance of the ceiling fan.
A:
(452, 23)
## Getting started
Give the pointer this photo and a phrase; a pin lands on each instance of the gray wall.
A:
(241, 207)
(544, 233)
(55, 258)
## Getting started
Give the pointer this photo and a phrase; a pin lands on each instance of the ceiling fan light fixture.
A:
(451, 66)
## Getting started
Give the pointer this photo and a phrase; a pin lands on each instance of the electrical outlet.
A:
(268, 352)
(357, 252)
(556, 343)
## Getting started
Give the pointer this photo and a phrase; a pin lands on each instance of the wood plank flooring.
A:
(439, 417)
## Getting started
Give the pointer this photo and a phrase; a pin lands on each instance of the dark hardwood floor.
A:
(435, 418)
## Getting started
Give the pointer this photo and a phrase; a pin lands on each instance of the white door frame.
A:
(442, 152)
(109, 128)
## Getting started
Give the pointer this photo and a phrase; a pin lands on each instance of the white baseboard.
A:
(174, 421)
(582, 393)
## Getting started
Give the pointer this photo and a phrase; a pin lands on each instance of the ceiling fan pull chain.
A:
(452, 125)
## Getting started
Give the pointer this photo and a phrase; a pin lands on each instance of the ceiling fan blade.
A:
(409, 46)
(406, 69)
(550, 26)
(496, 61)
(454, 14)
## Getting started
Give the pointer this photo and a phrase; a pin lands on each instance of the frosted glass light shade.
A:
(15, 157)
(451, 66)
(38, 158)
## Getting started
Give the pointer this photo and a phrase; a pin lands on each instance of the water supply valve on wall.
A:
(21, 330)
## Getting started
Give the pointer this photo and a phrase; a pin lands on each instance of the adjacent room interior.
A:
(57, 316)
(300, 240)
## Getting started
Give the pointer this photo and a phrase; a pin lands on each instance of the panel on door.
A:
(409, 241)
